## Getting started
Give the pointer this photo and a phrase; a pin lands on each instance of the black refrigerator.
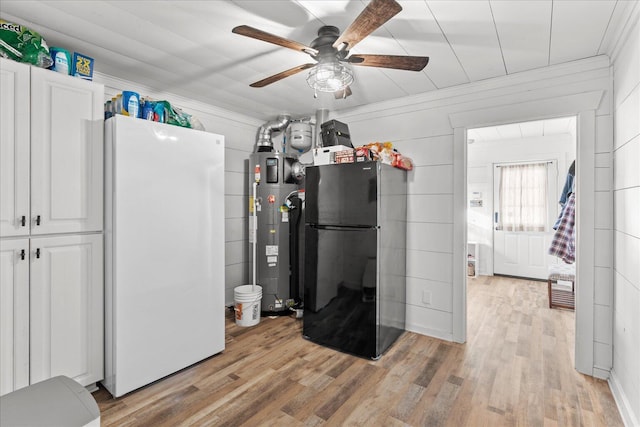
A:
(355, 256)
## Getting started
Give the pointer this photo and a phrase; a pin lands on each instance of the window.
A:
(523, 197)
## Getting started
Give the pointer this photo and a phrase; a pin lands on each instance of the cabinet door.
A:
(14, 315)
(67, 308)
(14, 148)
(66, 153)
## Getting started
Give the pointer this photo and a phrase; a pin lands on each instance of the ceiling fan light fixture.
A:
(330, 76)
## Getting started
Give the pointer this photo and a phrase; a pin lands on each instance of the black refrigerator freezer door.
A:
(340, 289)
(344, 194)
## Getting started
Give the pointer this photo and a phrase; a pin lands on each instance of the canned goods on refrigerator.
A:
(130, 104)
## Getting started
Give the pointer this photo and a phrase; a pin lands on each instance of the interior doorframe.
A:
(583, 106)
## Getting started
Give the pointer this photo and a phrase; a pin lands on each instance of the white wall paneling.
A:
(429, 294)
(236, 252)
(603, 241)
(625, 378)
(440, 240)
(585, 241)
(426, 321)
(626, 118)
(604, 136)
(602, 331)
(235, 229)
(459, 291)
(626, 201)
(430, 265)
(626, 336)
(431, 180)
(435, 150)
(234, 183)
(625, 161)
(603, 286)
(235, 206)
(430, 208)
(627, 248)
(603, 178)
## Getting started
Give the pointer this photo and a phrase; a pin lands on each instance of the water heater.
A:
(278, 177)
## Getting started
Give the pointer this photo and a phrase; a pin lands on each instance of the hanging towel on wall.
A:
(563, 244)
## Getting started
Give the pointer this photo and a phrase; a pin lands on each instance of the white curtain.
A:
(523, 197)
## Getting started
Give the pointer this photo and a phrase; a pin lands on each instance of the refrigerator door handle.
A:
(343, 227)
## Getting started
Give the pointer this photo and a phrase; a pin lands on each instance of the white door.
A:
(66, 153)
(14, 148)
(524, 253)
(14, 314)
(67, 308)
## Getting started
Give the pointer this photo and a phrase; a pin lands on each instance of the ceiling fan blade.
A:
(411, 63)
(342, 94)
(245, 30)
(282, 75)
(372, 17)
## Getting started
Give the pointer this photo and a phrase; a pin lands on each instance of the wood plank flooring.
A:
(515, 370)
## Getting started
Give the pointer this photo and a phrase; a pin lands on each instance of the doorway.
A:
(515, 175)
(513, 168)
(583, 105)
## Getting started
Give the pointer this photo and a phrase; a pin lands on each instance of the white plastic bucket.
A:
(247, 304)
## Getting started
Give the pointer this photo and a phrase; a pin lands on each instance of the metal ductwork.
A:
(264, 142)
(321, 116)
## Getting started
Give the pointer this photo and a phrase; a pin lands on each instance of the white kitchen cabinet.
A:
(14, 148)
(14, 314)
(51, 206)
(66, 321)
(66, 153)
(51, 141)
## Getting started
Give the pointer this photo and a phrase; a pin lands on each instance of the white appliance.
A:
(164, 246)
(57, 401)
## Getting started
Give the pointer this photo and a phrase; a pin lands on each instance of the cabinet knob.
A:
(23, 221)
(38, 220)
(22, 254)
(38, 253)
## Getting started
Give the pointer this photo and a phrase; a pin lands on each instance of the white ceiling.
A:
(538, 128)
(187, 47)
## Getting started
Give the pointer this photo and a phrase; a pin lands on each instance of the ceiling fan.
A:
(331, 71)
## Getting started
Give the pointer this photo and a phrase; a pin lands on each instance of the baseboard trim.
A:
(626, 411)
(433, 333)
(602, 374)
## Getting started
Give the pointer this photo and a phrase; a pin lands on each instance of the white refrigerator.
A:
(164, 250)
